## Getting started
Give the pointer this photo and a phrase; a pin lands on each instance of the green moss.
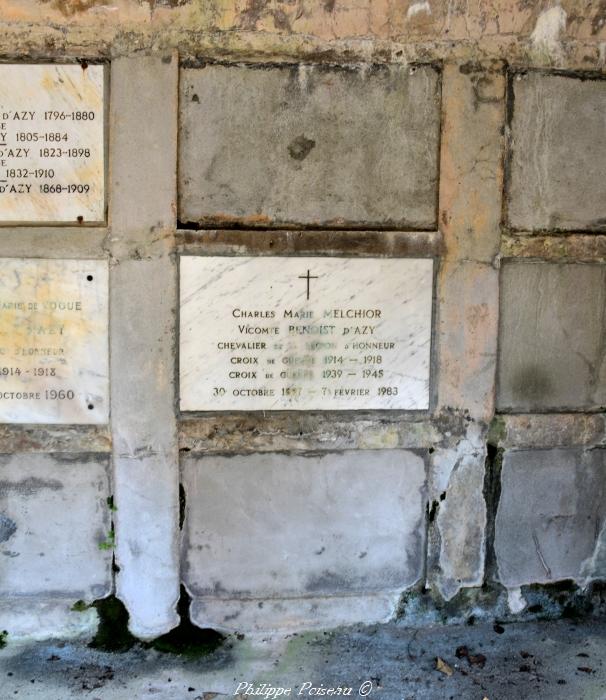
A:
(113, 633)
(80, 606)
(3, 637)
(187, 640)
(111, 505)
(110, 541)
(497, 431)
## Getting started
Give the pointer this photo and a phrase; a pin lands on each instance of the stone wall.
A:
(469, 133)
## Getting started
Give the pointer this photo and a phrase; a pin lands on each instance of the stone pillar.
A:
(471, 183)
(143, 293)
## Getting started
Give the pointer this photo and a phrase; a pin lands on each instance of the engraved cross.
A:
(308, 277)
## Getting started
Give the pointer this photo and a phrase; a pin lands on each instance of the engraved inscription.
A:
(51, 144)
(53, 341)
(304, 333)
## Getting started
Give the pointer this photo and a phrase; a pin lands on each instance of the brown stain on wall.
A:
(69, 8)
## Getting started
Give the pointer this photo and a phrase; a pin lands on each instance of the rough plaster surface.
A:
(53, 517)
(337, 524)
(552, 508)
(558, 161)
(282, 29)
(309, 145)
(551, 337)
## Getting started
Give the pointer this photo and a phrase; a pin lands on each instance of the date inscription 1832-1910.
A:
(52, 144)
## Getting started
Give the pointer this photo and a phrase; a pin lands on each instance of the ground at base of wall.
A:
(551, 660)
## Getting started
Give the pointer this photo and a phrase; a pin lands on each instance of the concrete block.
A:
(53, 516)
(313, 145)
(558, 159)
(273, 526)
(552, 346)
(551, 510)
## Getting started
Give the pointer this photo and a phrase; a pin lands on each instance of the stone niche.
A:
(558, 157)
(551, 337)
(313, 145)
(268, 526)
(552, 508)
(53, 517)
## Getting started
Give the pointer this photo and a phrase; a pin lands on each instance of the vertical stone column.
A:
(471, 184)
(143, 298)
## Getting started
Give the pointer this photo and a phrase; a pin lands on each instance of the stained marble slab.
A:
(52, 144)
(54, 341)
(304, 333)
(320, 145)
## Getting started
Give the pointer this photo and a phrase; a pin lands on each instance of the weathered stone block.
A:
(552, 506)
(558, 159)
(53, 517)
(271, 526)
(457, 489)
(552, 341)
(309, 144)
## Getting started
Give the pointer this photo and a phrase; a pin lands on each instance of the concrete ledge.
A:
(546, 431)
(280, 242)
(54, 438)
(47, 618)
(292, 614)
(286, 430)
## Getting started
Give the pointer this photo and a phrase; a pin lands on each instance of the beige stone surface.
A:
(565, 34)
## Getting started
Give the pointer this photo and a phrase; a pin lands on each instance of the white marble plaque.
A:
(304, 333)
(53, 341)
(52, 144)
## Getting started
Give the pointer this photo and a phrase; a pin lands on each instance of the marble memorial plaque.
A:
(304, 333)
(53, 341)
(52, 144)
